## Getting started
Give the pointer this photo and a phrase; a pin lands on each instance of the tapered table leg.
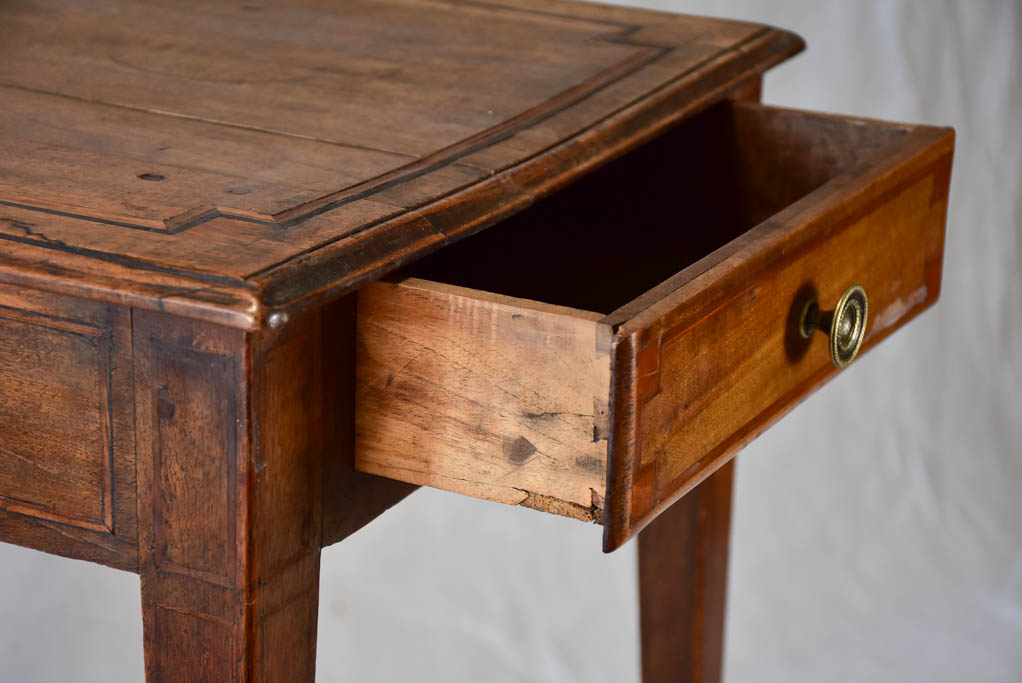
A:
(683, 557)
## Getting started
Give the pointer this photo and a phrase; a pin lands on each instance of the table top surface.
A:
(237, 161)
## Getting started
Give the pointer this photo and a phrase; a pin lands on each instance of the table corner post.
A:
(229, 459)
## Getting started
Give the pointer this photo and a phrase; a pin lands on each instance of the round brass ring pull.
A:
(847, 323)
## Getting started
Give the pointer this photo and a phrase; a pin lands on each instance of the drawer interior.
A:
(629, 226)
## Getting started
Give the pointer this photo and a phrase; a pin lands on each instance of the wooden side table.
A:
(247, 301)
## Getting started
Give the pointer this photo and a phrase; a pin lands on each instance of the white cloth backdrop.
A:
(882, 546)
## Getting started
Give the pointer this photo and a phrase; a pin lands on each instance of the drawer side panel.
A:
(483, 395)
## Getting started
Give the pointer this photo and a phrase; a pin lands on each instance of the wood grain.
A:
(55, 457)
(487, 396)
(192, 440)
(67, 473)
(225, 162)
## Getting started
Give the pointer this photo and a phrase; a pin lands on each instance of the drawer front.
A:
(67, 470)
(706, 366)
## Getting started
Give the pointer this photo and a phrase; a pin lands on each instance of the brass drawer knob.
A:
(847, 323)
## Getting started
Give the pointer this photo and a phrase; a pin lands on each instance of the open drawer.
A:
(602, 352)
